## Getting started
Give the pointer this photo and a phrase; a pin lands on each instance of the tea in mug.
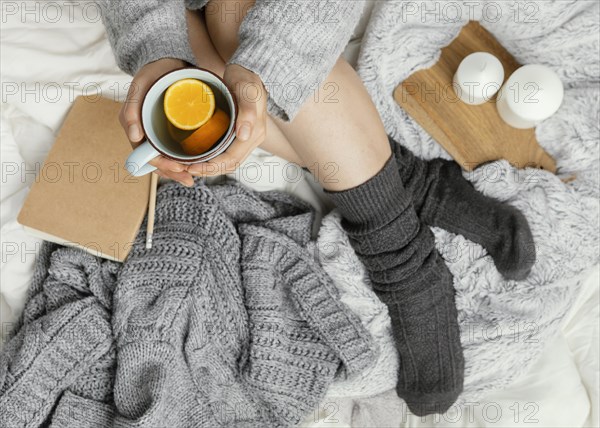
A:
(194, 121)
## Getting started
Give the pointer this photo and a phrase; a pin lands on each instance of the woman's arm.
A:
(291, 45)
(294, 45)
(143, 31)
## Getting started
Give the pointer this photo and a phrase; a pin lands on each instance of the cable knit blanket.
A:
(227, 321)
(505, 324)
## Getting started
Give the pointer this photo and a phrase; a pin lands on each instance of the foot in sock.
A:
(411, 278)
(444, 198)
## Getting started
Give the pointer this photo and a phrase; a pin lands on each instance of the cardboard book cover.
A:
(83, 195)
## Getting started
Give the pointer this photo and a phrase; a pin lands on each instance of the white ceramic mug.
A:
(154, 122)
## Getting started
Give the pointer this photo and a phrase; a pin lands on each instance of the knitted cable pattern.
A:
(227, 321)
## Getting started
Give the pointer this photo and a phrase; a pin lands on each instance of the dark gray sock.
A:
(411, 278)
(445, 199)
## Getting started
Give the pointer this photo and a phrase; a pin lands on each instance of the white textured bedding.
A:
(52, 52)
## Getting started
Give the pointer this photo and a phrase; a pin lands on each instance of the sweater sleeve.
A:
(293, 45)
(143, 31)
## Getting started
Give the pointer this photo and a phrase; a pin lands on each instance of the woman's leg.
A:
(345, 145)
(339, 137)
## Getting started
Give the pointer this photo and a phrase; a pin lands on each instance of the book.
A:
(83, 196)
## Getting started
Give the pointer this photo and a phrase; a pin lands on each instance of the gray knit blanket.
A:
(228, 320)
(505, 324)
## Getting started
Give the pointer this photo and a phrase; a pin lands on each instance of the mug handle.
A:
(137, 162)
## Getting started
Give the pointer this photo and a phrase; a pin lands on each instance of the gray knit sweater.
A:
(227, 321)
(291, 44)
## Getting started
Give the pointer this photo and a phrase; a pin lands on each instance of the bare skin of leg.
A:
(342, 142)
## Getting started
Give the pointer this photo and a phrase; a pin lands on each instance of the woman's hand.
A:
(251, 124)
(131, 113)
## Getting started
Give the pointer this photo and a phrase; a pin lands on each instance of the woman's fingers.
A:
(183, 178)
(225, 163)
(251, 98)
(130, 116)
(166, 164)
(173, 170)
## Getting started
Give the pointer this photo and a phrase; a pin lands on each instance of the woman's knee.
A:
(223, 20)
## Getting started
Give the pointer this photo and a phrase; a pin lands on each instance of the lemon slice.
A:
(189, 104)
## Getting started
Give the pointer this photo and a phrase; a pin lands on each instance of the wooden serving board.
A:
(472, 135)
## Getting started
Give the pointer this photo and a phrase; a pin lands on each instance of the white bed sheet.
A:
(52, 52)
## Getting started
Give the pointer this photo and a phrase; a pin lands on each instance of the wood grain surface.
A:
(473, 135)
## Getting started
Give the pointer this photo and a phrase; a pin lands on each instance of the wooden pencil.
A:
(151, 210)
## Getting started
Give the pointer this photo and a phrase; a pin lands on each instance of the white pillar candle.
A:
(478, 78)
(531, 94)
